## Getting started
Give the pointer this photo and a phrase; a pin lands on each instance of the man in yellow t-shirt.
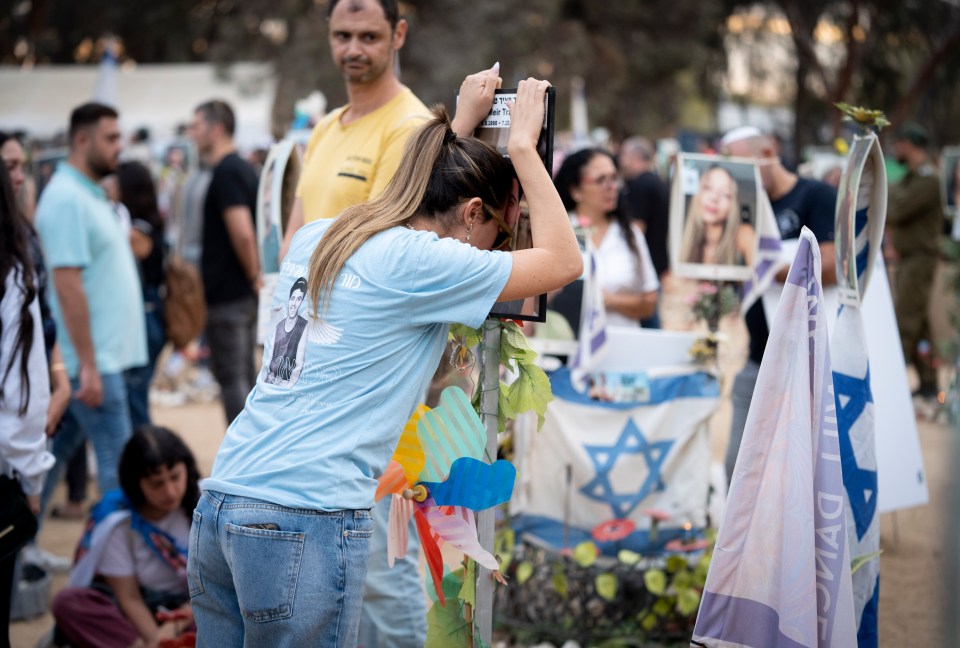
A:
(355, 150)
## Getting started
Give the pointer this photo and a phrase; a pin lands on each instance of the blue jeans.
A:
(138, 379)
(394, 613)
(107, 427)
(262, 574)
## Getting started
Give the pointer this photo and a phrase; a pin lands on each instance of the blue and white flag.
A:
(861, 213)
(780, 573)
(767, 258)
(105, 90)
(592, 338)
(644, 447)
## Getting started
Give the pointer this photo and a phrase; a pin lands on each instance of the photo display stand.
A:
(495, 130)
(950, 187)
(276, 194)
(708, 190)
(864, 154)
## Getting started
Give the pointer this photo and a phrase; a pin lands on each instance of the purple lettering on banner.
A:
(741, 621)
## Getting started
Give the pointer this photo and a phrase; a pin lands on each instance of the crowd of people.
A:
(398, 210)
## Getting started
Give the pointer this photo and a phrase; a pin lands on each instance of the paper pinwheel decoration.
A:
(437, 476)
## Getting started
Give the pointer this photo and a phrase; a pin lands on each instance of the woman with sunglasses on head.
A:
(589, 184)
(279, 543)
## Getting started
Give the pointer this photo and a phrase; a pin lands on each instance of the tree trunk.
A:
(909, 98)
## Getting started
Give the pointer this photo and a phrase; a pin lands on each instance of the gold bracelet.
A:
(58, 366)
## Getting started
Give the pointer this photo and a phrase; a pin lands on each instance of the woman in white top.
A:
(24, 383)
(589, 185)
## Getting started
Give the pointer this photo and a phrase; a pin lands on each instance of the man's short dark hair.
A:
(391, 10)
(218, 111)
(89, 114)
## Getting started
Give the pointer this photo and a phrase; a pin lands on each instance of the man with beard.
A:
(797, 203)
(355, 150)
(97, 298)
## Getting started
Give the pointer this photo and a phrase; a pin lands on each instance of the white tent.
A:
(159, 97)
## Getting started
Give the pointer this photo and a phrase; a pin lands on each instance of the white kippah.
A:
(740, 133)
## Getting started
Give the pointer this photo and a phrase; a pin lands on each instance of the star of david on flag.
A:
(604, 458)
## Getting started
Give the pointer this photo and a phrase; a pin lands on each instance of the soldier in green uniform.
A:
(915, 221)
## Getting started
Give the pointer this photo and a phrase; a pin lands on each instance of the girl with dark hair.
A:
(589, 185)
(280, 538)
(132, 559)
(24, 383)
(139, 195)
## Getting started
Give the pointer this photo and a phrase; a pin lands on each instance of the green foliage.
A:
(585, 554)
(559, 580)
(468, 591)
(628, 557)
(446, 626)
(606, 585)
(503, 544)
(530, 392)
(524, 572)
(655, 581)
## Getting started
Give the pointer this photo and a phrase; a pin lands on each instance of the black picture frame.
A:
(495, 130)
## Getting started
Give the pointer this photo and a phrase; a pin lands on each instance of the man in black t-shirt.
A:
(796, 202)
(229, 263)
(647, 200)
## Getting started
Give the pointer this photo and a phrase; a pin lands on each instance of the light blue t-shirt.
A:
(80, 229)
(332, 396)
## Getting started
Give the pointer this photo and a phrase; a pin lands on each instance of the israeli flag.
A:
(768, 257)
(644, 447)
(105, 90)
(780, 573)
(861, 212)
(592, 339)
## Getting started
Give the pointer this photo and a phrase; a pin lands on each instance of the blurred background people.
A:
(915, 222)
(589, 185)
(647, 199)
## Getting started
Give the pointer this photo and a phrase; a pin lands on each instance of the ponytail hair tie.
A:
(450, 137)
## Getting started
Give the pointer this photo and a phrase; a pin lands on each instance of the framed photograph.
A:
(950, 186)
(714, 205)
(495, 129)
(276, 193)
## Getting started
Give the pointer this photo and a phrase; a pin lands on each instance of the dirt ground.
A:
(914, 564)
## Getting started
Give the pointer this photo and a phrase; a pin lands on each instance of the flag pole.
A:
(489, 414)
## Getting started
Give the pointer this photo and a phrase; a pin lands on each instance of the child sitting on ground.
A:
(131, 562)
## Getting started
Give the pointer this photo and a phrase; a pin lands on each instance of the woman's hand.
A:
(59, 400)
(526, 115)
(475, 100)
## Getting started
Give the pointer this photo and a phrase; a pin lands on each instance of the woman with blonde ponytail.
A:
(281, 532)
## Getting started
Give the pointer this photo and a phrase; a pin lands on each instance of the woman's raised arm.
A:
(555, 259)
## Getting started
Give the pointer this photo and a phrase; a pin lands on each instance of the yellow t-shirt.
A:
(346, 165)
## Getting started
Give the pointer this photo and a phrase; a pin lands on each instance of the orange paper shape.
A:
(392, 481)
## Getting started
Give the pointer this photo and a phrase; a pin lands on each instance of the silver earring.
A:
(469, 229)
